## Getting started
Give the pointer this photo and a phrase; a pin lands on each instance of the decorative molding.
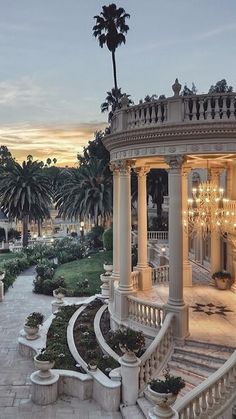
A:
(142, 171)
(175, 162)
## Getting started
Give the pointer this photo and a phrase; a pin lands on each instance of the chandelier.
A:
(209, 210)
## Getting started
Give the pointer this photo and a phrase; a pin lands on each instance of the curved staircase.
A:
(194, 362)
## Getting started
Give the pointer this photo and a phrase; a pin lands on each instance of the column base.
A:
(145, 278)
(181, 323)
(121, 305)
(187, 274)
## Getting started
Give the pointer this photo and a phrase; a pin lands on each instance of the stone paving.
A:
(212, 312)
(15, 370)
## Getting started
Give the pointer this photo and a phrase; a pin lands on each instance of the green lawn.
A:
(88, 268)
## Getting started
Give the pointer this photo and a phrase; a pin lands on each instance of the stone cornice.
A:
(164, 133)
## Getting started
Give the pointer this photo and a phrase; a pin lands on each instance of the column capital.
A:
(124, 166)
(175, 162)
(186, 170)
(142, 171)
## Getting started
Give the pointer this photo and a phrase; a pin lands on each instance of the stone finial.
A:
(124, 101)
(176, 87)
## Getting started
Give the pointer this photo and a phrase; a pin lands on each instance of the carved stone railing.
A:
(193, 109)
(212, 397)
(145, 313)
(160, 275)
(158, 235)
(158, 353)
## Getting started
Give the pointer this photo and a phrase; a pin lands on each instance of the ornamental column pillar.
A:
(116, 233)
(175, 303)
(125, 287)
(215, 236)
(145, 281)
(187, 267)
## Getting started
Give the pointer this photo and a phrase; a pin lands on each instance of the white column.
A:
(116, 242)
(187, 267)
(125, 227)
(145, 282)
(176, 301)
(215, 236)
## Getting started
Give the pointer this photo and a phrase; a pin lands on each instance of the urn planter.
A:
(44, 368)
(31, 332)
(163, 403)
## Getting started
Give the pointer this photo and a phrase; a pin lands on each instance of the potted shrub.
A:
(129, 341)
(59, 293)
(164, 393)
(222, 279)
(44, 361)
(32, 323)
(93, 364)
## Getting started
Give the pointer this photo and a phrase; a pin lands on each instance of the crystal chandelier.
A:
(209, 210)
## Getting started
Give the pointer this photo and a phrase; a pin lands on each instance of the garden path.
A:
(15, 373)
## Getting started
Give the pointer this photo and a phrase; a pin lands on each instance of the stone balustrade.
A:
(194, 108)
(145, 313)
(157, 354)
(158, 235)
(213, 396)
(160, 275)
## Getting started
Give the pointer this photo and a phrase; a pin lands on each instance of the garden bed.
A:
(85, 339)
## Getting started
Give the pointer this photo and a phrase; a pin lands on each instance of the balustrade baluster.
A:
(147, 372)
(150, 316)
(217, 108)
(232, 108)
(208, 111)
(142, 118)
(191, 411)
(210, 400)
(227, 386)
(222, 391)
(204, 405)
(152, 365)
(197, 409)
(201, 109)
(194, 110)
(141, 376)
(154, 318)
(153, 114)
(158, 317)
(224, 108)
(217, 393)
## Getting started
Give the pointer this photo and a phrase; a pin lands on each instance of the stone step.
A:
(131, 412)
(190, 377)
(145, 405)
(198, 363)
(202, 344)
(204, 353)
(179, 366)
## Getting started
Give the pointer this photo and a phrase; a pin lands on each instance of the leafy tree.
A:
(25, 193)
(188, 92)
(112, 102)
(110, 29)
(5, 155)
(221, 87)
(95, 150)
(87, 192)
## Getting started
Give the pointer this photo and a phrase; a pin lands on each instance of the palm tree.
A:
(25, 193)
(112, 102)
(157, 188)
(110, 29)
(86, 192)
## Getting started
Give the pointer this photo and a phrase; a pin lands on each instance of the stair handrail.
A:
(157, 354)
(213, 395)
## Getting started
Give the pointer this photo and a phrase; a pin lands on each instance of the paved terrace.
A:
(15, 400)
(212, 312)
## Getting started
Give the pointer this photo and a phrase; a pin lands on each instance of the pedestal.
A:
(187, 274)
(44, 391)
(181, 323)
(57, 305)
(145, 278)
(105, 288)
(130, 367)
(153, 415)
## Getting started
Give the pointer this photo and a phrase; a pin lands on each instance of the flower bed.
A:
(57, 339)
(86, 343)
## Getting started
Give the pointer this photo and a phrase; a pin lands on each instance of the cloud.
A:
(23, 90)
(62, 142)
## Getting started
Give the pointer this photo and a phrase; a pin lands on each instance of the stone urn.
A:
(108, 268)
(128, 355)
(59, 297)
(163, 403)
(31, 332)
(105, 288)
(44, 368)
(223, 283)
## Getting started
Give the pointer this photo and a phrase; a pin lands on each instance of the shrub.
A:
(170, 384)
(38, 285)
(129, 339)
(108, 239)
(45, 270)
(49, 285)
(34, 319)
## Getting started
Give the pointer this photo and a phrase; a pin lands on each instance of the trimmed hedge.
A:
(108, 239)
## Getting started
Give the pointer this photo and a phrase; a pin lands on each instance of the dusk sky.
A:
(54, 75)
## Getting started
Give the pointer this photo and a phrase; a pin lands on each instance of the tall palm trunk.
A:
(39, 228)
(114, 74)
(25, 222)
